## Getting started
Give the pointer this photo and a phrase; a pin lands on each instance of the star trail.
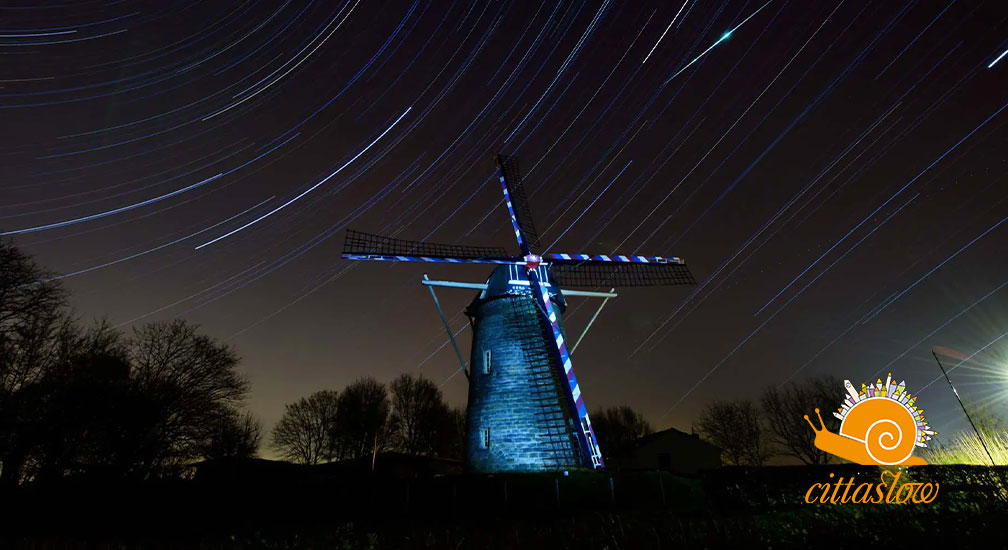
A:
(833, 173)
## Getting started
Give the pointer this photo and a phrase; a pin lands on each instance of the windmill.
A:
(526, 411)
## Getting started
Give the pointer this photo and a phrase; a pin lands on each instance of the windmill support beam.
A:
(447, 327)
(482, 286)
(592, 321)
(538, 424)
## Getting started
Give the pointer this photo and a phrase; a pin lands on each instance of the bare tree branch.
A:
(304, 432)
(785, 408)
(617, 427)
(735, 428)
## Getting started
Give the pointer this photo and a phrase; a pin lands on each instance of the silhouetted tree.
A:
(735, 428)
(451, 442)
(189, 382)
(32, 318)
(361, 420)
(420, 423)
(78, 421)
(234, 435)
(785, 408)
(304, 432)
(617, 427)
(84, 400)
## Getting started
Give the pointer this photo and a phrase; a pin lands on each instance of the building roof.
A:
(673, 433)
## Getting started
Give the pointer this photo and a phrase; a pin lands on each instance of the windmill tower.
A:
(526, 411)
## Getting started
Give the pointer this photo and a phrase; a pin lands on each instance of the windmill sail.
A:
(598, 274)
(540, 376)
(517, 203)
(365, 246)
(560, 442)
(521, 219)
(588, 442)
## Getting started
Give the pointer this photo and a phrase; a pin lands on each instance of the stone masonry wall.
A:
(504, 401)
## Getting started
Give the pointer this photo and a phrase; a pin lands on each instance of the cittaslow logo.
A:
(881, 425)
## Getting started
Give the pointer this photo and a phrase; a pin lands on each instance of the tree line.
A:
(409, 416)
(749, 432)
(80, 398)
(85, 398)
(617, 428)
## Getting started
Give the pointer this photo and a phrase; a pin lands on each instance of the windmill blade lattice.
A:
(616, 274)
(588, 442)
(521, 220)
(527, 279)
(517, 203)
(365, 246)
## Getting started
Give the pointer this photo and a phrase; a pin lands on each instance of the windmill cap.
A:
(506, 280)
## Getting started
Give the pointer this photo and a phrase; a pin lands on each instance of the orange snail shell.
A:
(886, 428)
(877, 430)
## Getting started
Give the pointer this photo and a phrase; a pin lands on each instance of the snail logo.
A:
(881, 424)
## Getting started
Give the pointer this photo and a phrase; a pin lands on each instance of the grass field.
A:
(726, 508)
(966, 448)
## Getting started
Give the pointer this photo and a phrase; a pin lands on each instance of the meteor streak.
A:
(724, 37)
(1004, 53)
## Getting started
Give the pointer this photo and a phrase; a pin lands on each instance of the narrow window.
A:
(486, 362)
(485, 440)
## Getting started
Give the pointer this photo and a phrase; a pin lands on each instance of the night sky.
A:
(834, 175)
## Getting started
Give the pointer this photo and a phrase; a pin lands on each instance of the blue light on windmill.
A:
(522, 400)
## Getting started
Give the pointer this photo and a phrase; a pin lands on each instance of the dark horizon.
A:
(833, 175)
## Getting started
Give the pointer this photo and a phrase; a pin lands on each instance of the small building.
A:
(670, 450)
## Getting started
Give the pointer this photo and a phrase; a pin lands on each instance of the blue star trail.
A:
(832, 172)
